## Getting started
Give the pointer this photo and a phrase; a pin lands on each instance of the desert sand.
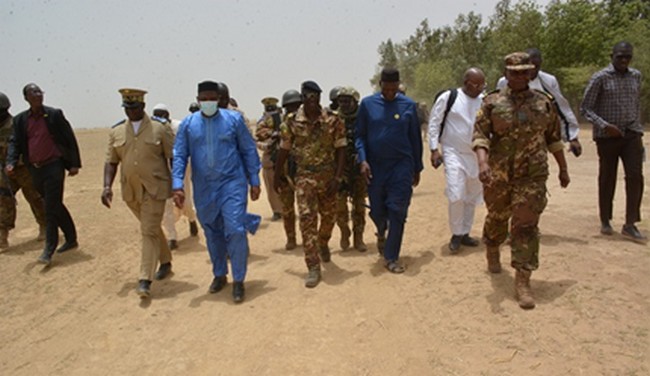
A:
(445, 316)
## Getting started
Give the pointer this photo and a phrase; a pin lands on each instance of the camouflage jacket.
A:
(6, 130)
(267, 131)
(313, 144)
(517, 130)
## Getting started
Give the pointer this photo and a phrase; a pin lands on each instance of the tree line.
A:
(575, 36)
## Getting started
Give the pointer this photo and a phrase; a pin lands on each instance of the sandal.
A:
(394, 267)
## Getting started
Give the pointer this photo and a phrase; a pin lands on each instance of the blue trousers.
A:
(226, 237)
(390, 192)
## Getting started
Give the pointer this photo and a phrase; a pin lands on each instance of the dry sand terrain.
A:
(445, 316)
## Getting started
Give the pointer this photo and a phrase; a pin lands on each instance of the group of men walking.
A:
(493, 147)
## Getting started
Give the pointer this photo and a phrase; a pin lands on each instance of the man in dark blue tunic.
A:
(389, 144)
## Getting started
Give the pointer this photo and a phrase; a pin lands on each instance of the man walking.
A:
(9, 186)
(224, 164)
(267, 133)
(316, 138)
(144, 148)
(451, 126)
(612, 104)
(515, 130)
(389, 143)
(44, 139)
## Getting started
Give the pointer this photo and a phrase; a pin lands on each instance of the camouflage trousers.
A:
(21, 180)
(358, 193)
(311, 193)
(522, 204)
(288, 198)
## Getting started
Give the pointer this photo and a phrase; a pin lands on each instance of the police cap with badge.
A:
(132, 98)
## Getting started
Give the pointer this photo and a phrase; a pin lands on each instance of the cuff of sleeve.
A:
(255, 181)
(479, 143)
(556, 146)
(177, 184)
(433, 145)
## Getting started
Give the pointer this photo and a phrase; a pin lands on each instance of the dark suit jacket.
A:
(60, 130)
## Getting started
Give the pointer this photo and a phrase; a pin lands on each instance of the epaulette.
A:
(159, 119)
(546, 94)
(118, 123)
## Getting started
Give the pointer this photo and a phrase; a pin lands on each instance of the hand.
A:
(333, 187)
(564, 178)
(179, 198)
(613, 131)
(364, 170)
(107, 197)
(485, 173)
(9, 169)
(416, 179)
(255, 192)
(436, 158)
(575, 147)
(73, 171)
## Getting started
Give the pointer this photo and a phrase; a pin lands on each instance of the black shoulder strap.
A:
(453, 93)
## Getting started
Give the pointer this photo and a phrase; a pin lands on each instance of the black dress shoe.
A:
(469, 241)
(144, 288)
(194, 229)
(46, 257)
(454, 243)
(238, 292)
(67, 246)
(631, 232)
(218, 283)
(164, 271)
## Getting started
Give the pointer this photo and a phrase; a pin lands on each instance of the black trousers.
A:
(630, 150)
(48, 181)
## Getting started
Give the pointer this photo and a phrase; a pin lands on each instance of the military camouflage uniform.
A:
(9, 186)
(518, 130)
(268, 142)
(353, 185)
(313, 146)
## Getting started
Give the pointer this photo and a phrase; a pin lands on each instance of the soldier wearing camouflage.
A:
(9, 186)
(267, 135)
(353, 187)
(316, 138)
(515, 129)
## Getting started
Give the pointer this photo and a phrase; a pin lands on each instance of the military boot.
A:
(325, 254)
(41, 233)
(359, 245)
(494, 265)
(291, 243)
(313, 277)
(345, 238)
(522, 288)
(4, 234)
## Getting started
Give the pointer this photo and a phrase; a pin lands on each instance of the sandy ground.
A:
(445, 316)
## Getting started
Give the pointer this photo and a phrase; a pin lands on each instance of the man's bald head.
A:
(473, 82)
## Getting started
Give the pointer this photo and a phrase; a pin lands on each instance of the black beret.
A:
(389, 75)
(208, 86)
(311, 86)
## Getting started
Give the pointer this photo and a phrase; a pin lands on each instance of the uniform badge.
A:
(396, 116)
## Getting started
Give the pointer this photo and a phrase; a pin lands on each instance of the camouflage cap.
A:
(4, 102)
(518, 61)
(131, 98)
(350, 92)
(270, 101)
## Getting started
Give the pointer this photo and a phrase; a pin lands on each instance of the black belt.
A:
(45, 163)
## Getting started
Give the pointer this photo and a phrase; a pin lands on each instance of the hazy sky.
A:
(82, 51)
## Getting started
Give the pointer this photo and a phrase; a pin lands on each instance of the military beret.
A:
(132, 98)
(270, 101)
(4, 102)
(350, 92)
(518, 61)
(310, 86)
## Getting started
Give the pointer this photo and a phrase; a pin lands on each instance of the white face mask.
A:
(208, 108)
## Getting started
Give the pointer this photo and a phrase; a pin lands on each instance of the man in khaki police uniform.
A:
(144, 147)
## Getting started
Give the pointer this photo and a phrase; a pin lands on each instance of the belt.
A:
(45, 162)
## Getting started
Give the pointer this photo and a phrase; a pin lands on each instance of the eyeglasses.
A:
(476, 86)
